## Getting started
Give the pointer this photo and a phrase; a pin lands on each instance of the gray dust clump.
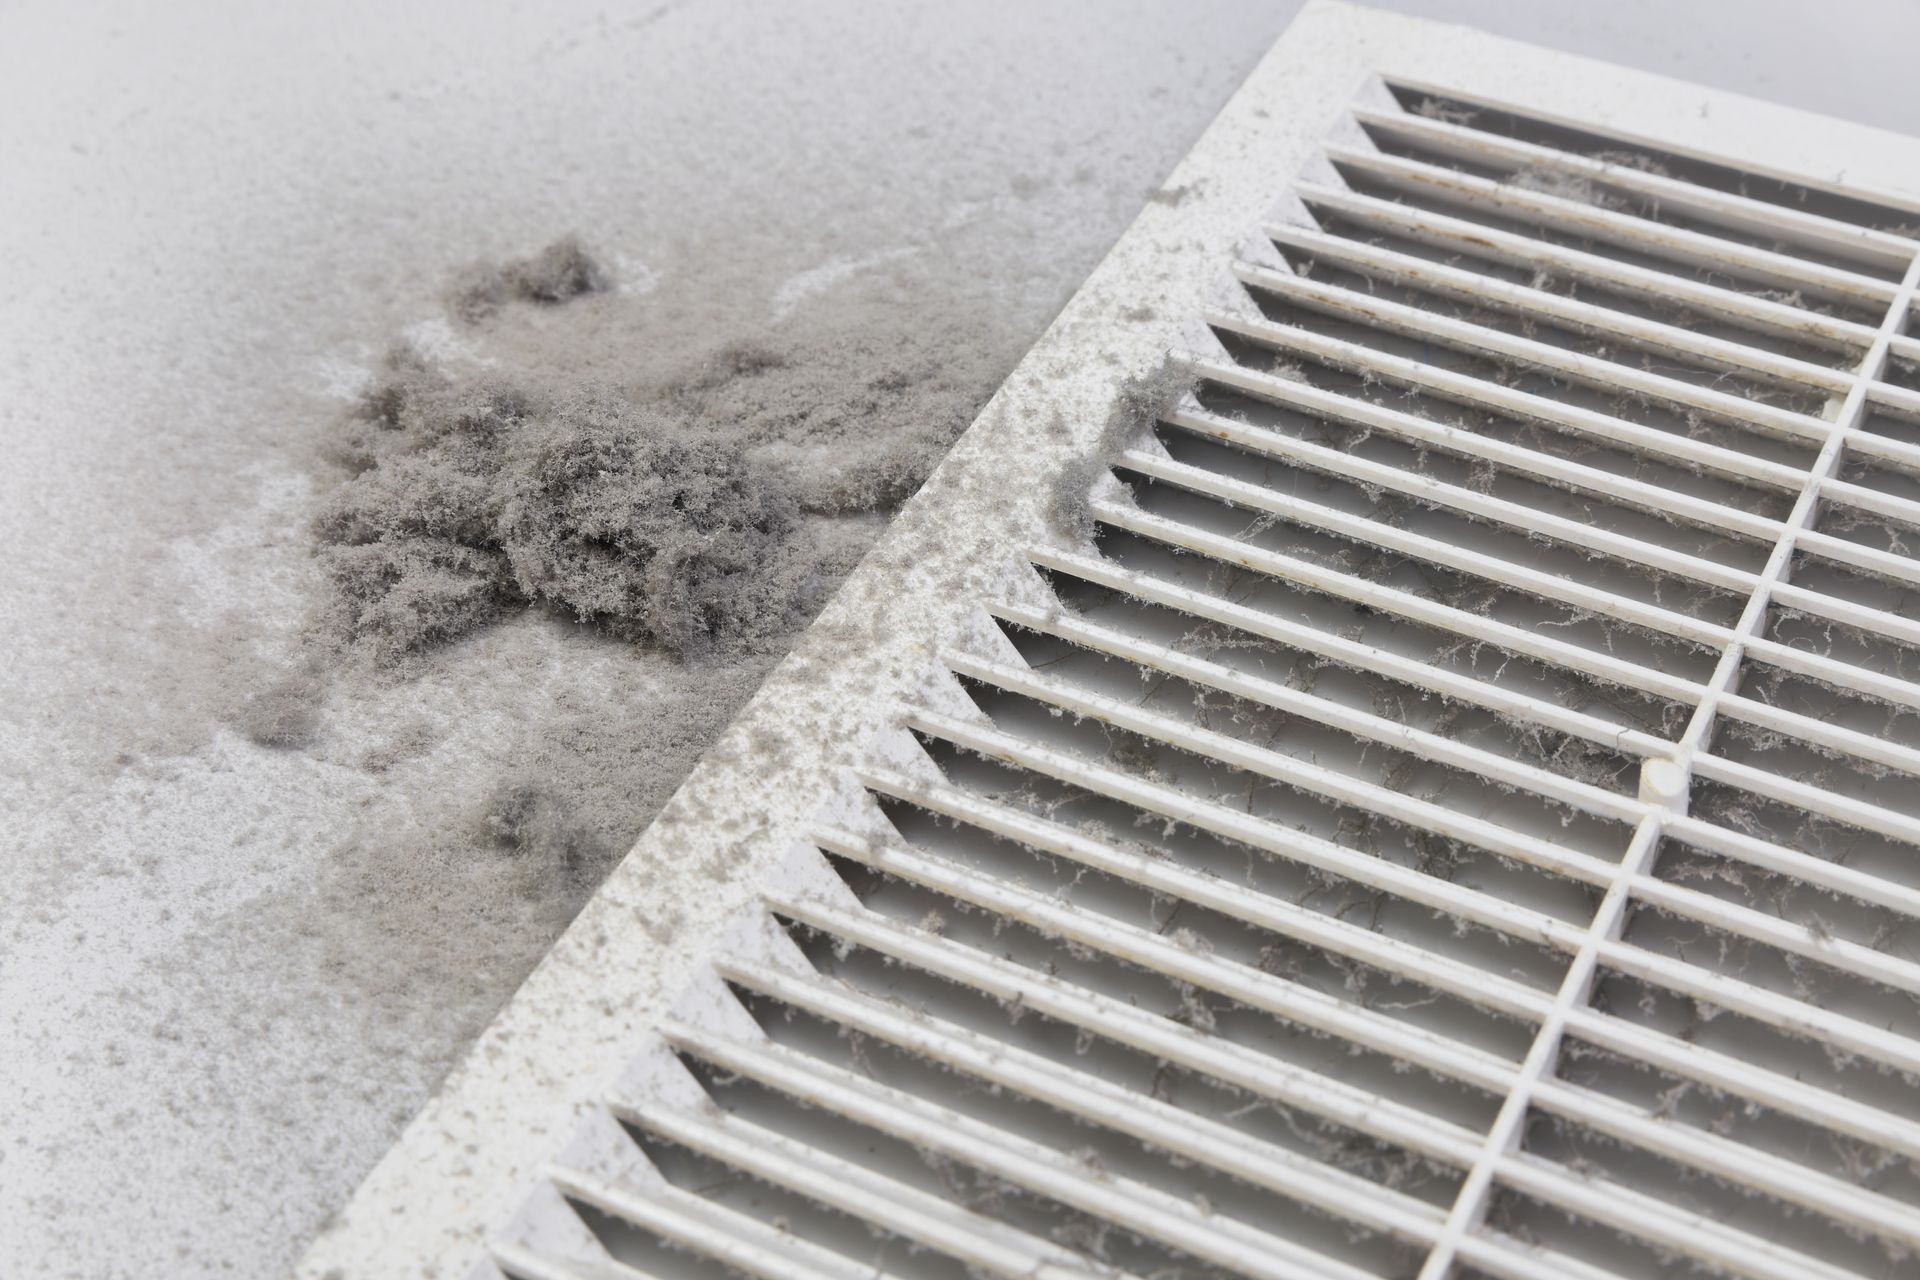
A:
(644, 527)
(562, 271)
(1142, 400)
(699, 502)
(471, 499)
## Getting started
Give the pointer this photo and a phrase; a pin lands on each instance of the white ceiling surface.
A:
(206, 210)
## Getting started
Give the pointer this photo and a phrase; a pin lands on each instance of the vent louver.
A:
(1456, 817)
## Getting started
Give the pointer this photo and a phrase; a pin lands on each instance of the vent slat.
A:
(1606, 429)
(1171, 803)
(1363, 657)
(1533, 644)
(1209, 1055)
(1758, 926)
(1524, 353)
(1698, 1148)
(1193, 1137)
(1532, 463)
(1885, 564)
(1475, 240)
(1813, 799)
(1526, 302)
(1728, 208)
(1728, 993)
(1691, 250)
(1843, 675)
(1252, 987)
(1737, 1162)
(1609, 1203)
(703, 1227)
(1834, 609)
(889, 1204)
(1468, 502)
(1694, 1234)
(1905, 510)
(1547, 715)
(1820, 733)
(1802, 940)
(1345, 788)
(1885, 448)
(1362, 944)
(1767, 856)
(1745, 1080)
(1402, 604)
(1362, 724)
(1796, 1017)
(1128, 1205)
(1902, 401)
(1469, 983)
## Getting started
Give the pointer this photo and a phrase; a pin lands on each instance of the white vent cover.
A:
(1457, 816)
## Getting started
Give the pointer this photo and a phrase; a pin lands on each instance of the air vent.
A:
(1453, 810)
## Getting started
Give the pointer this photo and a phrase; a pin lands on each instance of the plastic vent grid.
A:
(1457, 817)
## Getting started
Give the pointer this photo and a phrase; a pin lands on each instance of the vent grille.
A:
(1457, 817)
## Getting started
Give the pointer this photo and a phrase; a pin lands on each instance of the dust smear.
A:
(624, 513)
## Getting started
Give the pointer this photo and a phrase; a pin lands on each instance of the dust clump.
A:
(1445, 112)
(644, 528)
(475, 498)
(406, 538)
(1579, 189)
(564, 270)
(702, 502)
(1141, 401)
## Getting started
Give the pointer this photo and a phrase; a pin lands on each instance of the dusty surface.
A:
(258, 894)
